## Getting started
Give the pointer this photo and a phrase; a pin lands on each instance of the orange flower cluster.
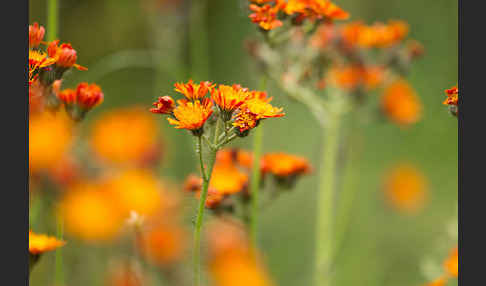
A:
(269, 14)
(452, 100)
(40, 243)
(352, 77)
(79, 101)
(230, 174)
(244, 107)
(46, 69)
(378, 35)
(401, 104)
(451, 267)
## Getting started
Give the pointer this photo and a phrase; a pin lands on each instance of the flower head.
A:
(227, 179)
(40, 243)
(405, 188)
(353, 76)
(229, 98)
(36, 35)
(64, 55)
(401, 103)
(38, 60)
(284, 165)
(163, 105)
(315, 9)
(378, 35)
(194, 91)
(191, 115)
(451, 264)
(265, 16)
(89, 95)
(452, 96)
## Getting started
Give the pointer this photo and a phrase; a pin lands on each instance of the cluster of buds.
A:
(270, 14)
(238, 108)
(78, 102)
(47, 64)
(310, 62)
(231, 173)
(452, 100)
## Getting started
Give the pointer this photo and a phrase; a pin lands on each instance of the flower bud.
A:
(89, 95)
(164, 105)
(36, 35)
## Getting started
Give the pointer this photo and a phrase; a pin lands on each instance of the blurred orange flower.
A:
(90, 213)
(350, 77)
(50, 139)
(451, 264)
(283, 165)
(438, 282)
(378, 35)
(265, 16)
(401, 103)
(136, 190)
(125, 274)
(163, 244)
(40, 243)
(315, 9)
(111, 141)
(405, 188)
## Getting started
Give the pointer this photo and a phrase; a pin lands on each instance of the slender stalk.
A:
(206, 175)
(198, 40)
(52, 19)
(59, 274)
(255, 177)
(325, 215)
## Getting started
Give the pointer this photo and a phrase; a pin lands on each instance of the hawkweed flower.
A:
(37, 61)
(401, 104)
(36, 35)
(192, 115)
(405, 189)
(229, 98)
(64, 55)
(82, 207)
(164, 105)
(354, 76)
(452, 100)
(451, 264)
(193, 91)
(40, 243)
(265, 16)
(315, 9)
(378, 35)
(286, 168)
(114, 145)
(78, 102)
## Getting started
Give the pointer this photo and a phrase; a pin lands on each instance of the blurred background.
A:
(136, 49)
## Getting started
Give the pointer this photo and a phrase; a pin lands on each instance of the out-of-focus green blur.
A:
(118, 41)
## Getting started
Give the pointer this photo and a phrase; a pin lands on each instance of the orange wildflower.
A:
(438, 282)
(38, 60)
(163, 105)
(229, 98)
(64, 55)
(265, 16)
(227, 179)
(40, 243)
(352, 76)
(451, 264)
(452, 96)
(50, 139)
(378, 35)
(315, 9)
(36, 35)
(401, 104)
(163, 244)
(111, 141)
(88, 95)
(284, 165)
(194, 91)
(191, 115)
(90, 213)
(405, 188)
(255, 108)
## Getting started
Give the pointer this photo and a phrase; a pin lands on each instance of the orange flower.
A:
(378, 35)
(351, 77)
(64, 55)
(315, 9)
(438, 282)
(401, 104)
(194, 91)
(163, 244)
(90, 213)
(265, 16)
(68, 96)
(229, 98)
(191, 115)
(452, 96)
(285, 165)
(37, 60)
(227, 179)
(50, 139)
(451, 264)
(405, 188)
(164, 105)
(40, 243)
(88, 95)
(36, 35)
(111, 141)
(255, 108)
(136, 190)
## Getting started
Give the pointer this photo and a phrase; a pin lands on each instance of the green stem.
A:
(255, 183)
(324, 243)
(52, 19)
(200, 212)
(59, 274)
(198, 40)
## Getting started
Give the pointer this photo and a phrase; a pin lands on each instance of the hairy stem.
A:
(325, 215)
